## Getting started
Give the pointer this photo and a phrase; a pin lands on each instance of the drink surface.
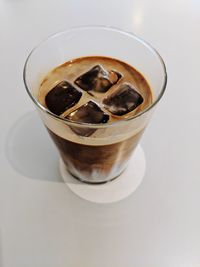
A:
(110, 89)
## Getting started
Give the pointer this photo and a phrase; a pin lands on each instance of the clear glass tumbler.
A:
(104, 155)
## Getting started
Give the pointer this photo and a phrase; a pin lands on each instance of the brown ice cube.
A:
(98, 79)
(88, 113)
(125, 99)
(62, 97)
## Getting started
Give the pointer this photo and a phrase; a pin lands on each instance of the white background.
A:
(42, 223)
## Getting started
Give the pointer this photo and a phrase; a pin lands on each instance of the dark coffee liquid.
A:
(95, 162)
(96, 155)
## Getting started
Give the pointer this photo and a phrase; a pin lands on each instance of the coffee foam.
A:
(103, 136)
(106, 135)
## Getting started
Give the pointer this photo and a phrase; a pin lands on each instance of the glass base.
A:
(112, 191)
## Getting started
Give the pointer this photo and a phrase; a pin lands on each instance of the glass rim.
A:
(91, 125)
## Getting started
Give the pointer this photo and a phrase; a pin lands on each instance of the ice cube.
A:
(62, 97)
(98, 79)
(88, 113)
(123, 100)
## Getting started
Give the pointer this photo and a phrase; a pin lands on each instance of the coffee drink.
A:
(91, 94)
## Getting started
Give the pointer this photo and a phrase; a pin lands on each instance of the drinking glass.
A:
(105, 154)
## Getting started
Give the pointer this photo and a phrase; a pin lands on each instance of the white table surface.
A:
(42, 223)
